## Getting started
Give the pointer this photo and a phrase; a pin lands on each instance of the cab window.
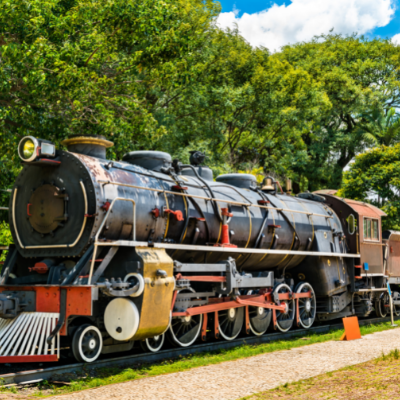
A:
(371, 229)
(351, 224)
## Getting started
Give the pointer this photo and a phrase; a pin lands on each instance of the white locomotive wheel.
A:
(153, 344)
(259, 318)
(87, 343)
(307, 306)
(285, 319)
(230, 322)
(382, 305)
(184, 331)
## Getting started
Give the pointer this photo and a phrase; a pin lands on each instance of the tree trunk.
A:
(296, 187)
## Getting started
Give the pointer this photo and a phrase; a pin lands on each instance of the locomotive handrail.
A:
(237, 203)
(188, 247)
(96, 238)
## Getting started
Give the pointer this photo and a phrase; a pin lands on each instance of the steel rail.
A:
(56, 373)
(194, 196)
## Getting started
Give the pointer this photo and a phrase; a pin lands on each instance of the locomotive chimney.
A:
(288, 186)
(89, 145)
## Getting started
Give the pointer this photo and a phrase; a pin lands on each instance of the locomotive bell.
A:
(89, 145)
(268, 185)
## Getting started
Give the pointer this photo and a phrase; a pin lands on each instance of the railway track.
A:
(57, 372)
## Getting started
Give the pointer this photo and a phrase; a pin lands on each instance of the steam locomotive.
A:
(108, 253)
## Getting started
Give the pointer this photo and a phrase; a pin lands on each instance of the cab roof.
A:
(360, 207)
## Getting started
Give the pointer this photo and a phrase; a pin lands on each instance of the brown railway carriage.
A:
(391, 255)
(361, 224)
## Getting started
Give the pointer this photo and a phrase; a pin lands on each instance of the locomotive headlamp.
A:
(27, 148)
(30, 149)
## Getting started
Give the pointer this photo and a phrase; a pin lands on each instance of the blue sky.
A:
(273, 24)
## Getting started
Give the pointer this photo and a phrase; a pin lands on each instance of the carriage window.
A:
(375, 229)
(351, 224)
(371, 229)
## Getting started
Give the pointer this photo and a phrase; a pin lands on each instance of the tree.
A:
(380, 127)
(76, 66)
(375, 177)
(249, 108)
(357, 75)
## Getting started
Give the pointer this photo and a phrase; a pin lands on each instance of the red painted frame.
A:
(225, 303)
(21, 359)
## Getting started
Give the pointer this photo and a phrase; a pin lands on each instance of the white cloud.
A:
(396, 39)
(303, 19)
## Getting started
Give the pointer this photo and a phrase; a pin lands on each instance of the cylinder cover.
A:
(121, 319)
(244, 181)
(204, 172)
(152, 160)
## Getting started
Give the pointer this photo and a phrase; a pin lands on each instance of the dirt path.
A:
(236, 379)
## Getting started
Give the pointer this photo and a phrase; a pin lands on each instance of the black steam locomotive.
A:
(108, 253)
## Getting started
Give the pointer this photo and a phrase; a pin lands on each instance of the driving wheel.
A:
(285, 318)
(307, 306)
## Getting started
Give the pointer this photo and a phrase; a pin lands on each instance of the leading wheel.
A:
(153, 344)
(87, 343)
(284, 319)
(381, 305)
(184, 331)
(307, 306)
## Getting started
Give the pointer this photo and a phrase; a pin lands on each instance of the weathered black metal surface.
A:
(205, 172)
(67, 179)
(152, 160)
(244, 181)
(250, 226)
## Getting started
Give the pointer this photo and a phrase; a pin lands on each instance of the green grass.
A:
(374, 379)
(106, 376)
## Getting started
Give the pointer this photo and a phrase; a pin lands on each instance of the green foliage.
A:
(380, 127)
(160, 75)
(70, 67)
(356, 75)
(375, 174)
(5, 234)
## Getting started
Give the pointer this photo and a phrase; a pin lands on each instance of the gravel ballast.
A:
(236, 379)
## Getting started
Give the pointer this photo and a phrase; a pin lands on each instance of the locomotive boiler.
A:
(109, 253)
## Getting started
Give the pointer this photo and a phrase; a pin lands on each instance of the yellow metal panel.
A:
(157, 294)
